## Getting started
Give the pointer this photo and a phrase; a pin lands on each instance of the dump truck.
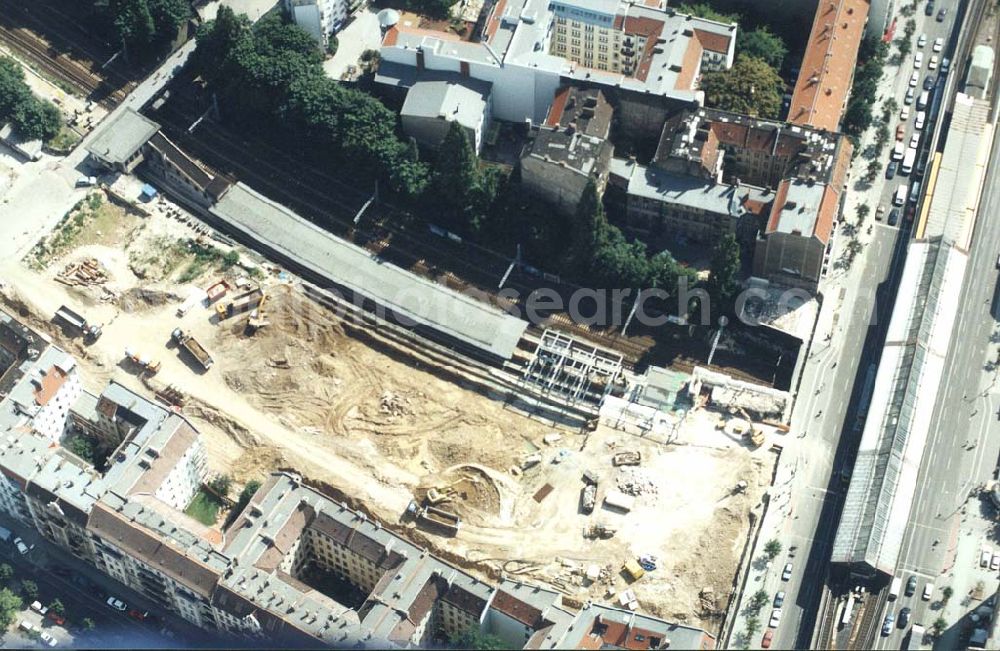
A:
(77, 323)
(633, 570)
(627, 458)
(217, 291)
(190, 344)
(245, 302)
(435, 519)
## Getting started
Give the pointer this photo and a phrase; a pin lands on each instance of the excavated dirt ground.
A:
(306, 393)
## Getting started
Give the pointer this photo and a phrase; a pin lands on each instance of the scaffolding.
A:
(571, 370)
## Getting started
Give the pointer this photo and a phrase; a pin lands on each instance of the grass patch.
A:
(91, 221)
(205, 256)
(204, 508)
(64, 141)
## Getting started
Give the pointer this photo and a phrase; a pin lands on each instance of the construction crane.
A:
(258, 318)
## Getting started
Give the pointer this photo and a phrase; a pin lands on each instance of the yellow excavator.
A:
(258, 318)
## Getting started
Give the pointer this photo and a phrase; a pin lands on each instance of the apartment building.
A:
(570, 148)
(525, 50)
(320, 18)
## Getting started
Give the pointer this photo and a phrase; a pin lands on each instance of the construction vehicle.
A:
(589, 498)
(754, 435)
(217, 291)
(191, 345)
(619, 500)
(627, 458)
(243, 303)
(435, 519)
(633, 570)
(258, 317)
(147, 364)
(171, 395)
(76, 322)
(599, 530)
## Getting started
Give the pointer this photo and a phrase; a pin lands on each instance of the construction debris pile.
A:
(83, 273)
(393, 404)
(636, 482)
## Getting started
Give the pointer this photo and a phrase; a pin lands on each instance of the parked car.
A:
(775, 618)
(938, 44)
(922, 40)
(138, 615)
(918, 122)
(39, 608)
(21, 547)
(887, 624)
(56, 618)
(890, 170)
(933, 63)
(941, 15)
(995, 562)
(911, 586)
(900, 131)
(928, 591)
(779, 599)
(914, 79)
(893, 217)
(918, 61)
(47, 639)
(26, 626)
(929, 81)
(117, 604)
(908, 98)
(987, 553)
(765, 642)
(904, 617)
(904, 113)
(929, 9)
(786, 574)
(945, 65)
(914, 141)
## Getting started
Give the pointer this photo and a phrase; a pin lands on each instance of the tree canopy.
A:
(10, 605)
(34, 118)
(762, 44)
(723, 280)
(751, 86)
(144, 27)
(703, 10)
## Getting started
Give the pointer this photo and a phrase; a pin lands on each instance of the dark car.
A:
(887, 624)
(904, 617)
(911, 586)
(929, 82)
(929, 9)
(890, 169)
(779, 598)
(941, 15)
(893, 217)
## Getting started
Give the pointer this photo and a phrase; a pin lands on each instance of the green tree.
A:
(57, 607)
(221, 484)
(863, 211)
(703, 10)
(587, 231)
(758, 600)
(81, 447)
(37, 120)
(10, 605)
(456, 180)
(752, 626)
(772, 549)
(473, 638)
(940, 625)
(762, 44)
(723, 280)
(144, 27)
(6, 573)
(87, 624)
(947, 592)
(751, 87)
(29, 589)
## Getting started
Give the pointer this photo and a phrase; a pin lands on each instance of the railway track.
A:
(871, 620)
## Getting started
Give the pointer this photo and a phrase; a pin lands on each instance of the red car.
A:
(56, 617)
(766, 640)
(139, 615)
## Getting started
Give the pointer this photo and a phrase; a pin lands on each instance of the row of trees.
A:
(34, 119)
(145, 28)
(868, 73)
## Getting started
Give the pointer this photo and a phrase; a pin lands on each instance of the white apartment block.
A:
(527, 49)
(320, 18)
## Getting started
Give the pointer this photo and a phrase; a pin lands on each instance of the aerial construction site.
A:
(276, 379)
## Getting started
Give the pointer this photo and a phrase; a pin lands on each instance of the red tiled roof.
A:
(516, 609)
(692, 55)
(49, 385)
(493, 22)
(712, 42)
(558, 105)
(828, 64)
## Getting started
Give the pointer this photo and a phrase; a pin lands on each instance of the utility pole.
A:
(516, 262)
(372, 199)
(723, 322)
(635, 306)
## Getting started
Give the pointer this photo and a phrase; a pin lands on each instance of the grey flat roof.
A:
(718, 198)
(422, 302)
(447, 100)
(801, 217)
(119, 139)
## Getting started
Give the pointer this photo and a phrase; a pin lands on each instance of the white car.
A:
(984, 558)
(21, 547)
(932, 64)
(38, 607)
(786, 574)
(922, 41)
(914, 79)
(908, 99)
(995, 562)
(938, 44)
(775, 618)
(904, 113)
(117, 604)
(928, 591)
(918, 60)
(914, 141)
(47, 639)
(898, 151)
(918, 122)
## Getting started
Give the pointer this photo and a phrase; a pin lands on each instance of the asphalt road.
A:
(958, 458)
(826, 410)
